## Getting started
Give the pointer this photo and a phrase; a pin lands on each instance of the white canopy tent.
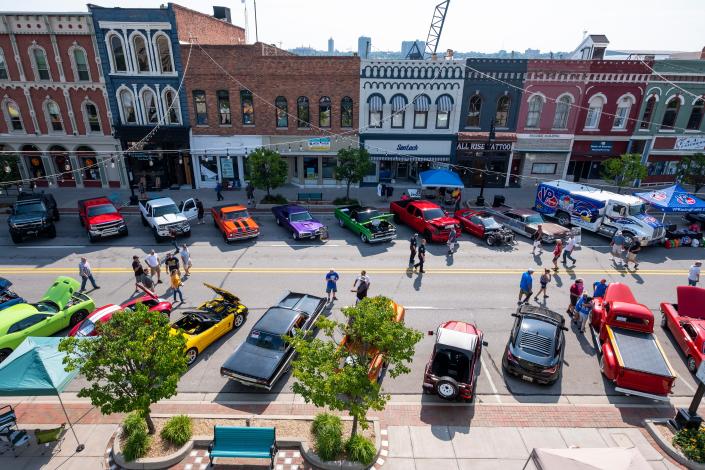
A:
(605, 458)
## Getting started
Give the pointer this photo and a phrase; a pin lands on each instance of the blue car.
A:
(8, 298)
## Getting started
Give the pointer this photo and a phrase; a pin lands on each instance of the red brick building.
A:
(264, 96)
(55, 117)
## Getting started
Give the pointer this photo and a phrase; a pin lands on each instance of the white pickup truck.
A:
(163, 216)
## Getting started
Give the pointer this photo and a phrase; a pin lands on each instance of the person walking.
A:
(576, 290)
(452, 240)
(185, 260)
(543, 280)
(176, 285)
(201, 211)
(583, 307)
(557, 250)
(153, 263)
(422, 256)
(599, 288)
(617, 245)
(250, 190)
(632, 252)
(219, 191)
(361, 286)
(84, 270)
(525, 286)
(694, 273)
(538, 238)
(138, 271)
(332, 285)
(413, 244)
(568, 250)
(171, 263)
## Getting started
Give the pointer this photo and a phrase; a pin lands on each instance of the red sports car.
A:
(686, 322)
(484, 226)
(101, 315)
(452, 369)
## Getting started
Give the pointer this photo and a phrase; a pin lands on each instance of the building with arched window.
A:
(53, 101)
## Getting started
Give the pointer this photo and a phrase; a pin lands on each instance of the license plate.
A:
(527, 378)
(31, 232)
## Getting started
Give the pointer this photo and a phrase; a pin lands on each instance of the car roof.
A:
(457, 339)
(96, 201)
(276, 320)
(577, 189)
(538, 325)
(230, 207)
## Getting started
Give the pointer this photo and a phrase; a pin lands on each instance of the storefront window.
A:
(62, 162)
(543, 168)
(324, 112)
(150, 106)
(311, 168)
(302, 112)
(648, 113)
(224, 107)
(329, 165)
(696, 116)
(248, 108)
(282, 112)
(473, 117)
(421, 105)
(199, 103)
(228, 172)
(662, 168)
(88, 162)
(671, 114)
(533, 117)
(34, 161)
(375, 104)
(346, 112)
(560, 119)
(208, 169)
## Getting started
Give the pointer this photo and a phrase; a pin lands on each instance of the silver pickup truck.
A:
(163, 216)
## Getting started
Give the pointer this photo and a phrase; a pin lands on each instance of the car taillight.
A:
(551, 370)
(510, 356)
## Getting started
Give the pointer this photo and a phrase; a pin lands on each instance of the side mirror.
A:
(515, 315)
(485, 343)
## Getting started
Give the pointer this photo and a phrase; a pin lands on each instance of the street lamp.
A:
(485, 155)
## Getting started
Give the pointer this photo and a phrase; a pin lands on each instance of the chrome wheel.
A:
(239, 320)
(191, 356)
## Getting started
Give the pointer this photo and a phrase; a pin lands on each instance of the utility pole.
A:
(256, 32)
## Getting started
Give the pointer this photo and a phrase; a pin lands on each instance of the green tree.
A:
(334, 377)
(691, 170)
(353, 165)
(268, 169)
(623, 170)
(134, 362)
(9, 161)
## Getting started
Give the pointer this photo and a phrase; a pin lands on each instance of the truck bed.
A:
(640, 352)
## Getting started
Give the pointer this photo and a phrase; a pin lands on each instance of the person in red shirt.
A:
(576, 290)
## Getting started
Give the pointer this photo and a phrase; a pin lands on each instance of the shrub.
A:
(360, 449)
(137, 444)
(274, 199)
(134, 422)
(326, 419)
(342, 201)
(328, 432)
(177, 430)
(692, 443)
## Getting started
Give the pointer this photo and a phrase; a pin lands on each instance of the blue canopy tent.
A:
(672, 199)
(36, 368)
(440, 179)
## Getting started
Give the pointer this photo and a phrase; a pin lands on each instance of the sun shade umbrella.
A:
(36, 368)
(673, 199)
(440, 178)
(606, 458)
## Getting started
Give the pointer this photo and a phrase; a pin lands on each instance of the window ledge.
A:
(591, 129)
(532, 128)
(667, 131)
(559, 128)
(202, 125)
(693, 131)
(225, 125)
(248, 125)
(619, 130)
(282, 128)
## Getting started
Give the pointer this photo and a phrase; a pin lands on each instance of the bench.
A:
(243, 442)
(309, 197)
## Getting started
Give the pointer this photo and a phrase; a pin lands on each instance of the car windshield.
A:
(300, 216)
(534, 219)
(431, 214)
(265, 340)
(234, 215)
(163, 210)
(101, 210)
(86, 328)
(367, 215)
(47, 306)
(637, 209)
(489, 222)
(29, 208)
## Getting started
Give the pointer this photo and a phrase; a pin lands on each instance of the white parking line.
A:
(294, 244)
(489, 378)
(48, 247)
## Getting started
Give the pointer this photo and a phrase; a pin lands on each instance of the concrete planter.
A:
(310, 456)
(669, 448)
(152, 463)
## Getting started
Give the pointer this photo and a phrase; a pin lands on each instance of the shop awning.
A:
(422, 103)
(409, 158)
(376, 103)
(445, 104)
(440, 178)
(673, 199)
(398, 103)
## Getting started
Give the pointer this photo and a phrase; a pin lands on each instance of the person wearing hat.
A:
(576, 290)
(694, 273)
(525, 286)
(582, 309)
(599, 288)
(617, 247)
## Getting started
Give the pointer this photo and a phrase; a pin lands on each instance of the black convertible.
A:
(264, 357)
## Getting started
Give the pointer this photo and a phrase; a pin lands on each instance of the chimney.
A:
(702, 54)
(222, 13)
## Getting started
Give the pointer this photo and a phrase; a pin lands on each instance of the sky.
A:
(477, 25)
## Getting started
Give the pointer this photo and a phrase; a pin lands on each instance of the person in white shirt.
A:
(84, 270)
(568, 250)
(360, 286)
(694, 273)
(153, 262)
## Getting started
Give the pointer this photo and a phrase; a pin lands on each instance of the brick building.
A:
(264, 96)
(55, 117)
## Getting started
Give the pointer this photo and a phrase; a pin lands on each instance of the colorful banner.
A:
(320, 143)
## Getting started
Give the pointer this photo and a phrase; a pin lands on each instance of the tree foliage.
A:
(268, 170)
(337, 377)
(691, 170)
(134, 362)
(623, 170)
(353, 165)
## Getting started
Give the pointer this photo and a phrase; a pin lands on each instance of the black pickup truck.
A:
(33, 215)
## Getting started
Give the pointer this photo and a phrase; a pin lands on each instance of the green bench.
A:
(242, 442)
(310, 197)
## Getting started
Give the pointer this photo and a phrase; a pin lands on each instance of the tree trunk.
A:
(150, 423)
(347, 192)
(353, 433)
(268, 195)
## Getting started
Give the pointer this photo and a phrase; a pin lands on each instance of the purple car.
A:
(298, 220)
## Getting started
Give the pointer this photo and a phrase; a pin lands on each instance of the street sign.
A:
(700, 374)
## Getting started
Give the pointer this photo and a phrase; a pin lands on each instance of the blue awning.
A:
(673, 199)
(440, 178)
(445, 104)
(422, 103)
(398, 103)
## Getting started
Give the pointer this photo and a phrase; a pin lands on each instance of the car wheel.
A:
(490, 240)
(692, 366)
(77, 318)
(191, 356)
(664, 321)
(341, 223)
(447, 388)
(427, 236)
(363, 237)
(239, 320)
(125, 233)
(276, 219)
(16, 238)
(4, 353)
(51, 233)
(563, 219)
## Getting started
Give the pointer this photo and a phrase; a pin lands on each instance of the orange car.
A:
(234, 222)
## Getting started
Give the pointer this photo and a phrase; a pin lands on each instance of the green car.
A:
(369, 223)
(62, 306)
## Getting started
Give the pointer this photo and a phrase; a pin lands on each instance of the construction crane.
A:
(434, 34)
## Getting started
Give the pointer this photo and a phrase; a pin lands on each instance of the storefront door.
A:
(208, 171)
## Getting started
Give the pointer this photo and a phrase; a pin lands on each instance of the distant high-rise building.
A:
(364, 46)
(406, 46)
(331, 46)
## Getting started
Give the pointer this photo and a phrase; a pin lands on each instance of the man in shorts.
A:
(152, 261)
(582, 310)
(139, 272)
(526, 286)
(617, 247)
(332, 285)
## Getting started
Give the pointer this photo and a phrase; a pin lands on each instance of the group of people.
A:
(144, 274)
(360, 286)
(418, 249)
(558, 250)
(624, 253)
(249, 190)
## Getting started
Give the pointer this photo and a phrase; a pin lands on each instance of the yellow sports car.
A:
(212, 320)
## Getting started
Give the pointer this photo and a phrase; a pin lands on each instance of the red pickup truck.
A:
(426, 218)
(100, 218)
(631, 357)
(686, 322)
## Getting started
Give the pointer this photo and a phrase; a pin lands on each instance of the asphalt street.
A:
(477, 284)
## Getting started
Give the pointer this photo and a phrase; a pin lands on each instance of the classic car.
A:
(686, 322)
(298, 221)
(213, 319)
(484, 226)
(62, 306)
(102, 314)
(452, 369)
(8, 297)
(536, 344)
(370, 224)
(234, 222)
(264, 356)
(426, 218)
(526, 221)
(100, 218)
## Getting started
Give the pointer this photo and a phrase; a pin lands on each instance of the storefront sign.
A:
(689, 143)
(226, 168)
(320, 143)
(543, 136)
(484, 146)
(408, 147)
(601, 147)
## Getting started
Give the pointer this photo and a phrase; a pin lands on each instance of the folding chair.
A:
(46, 437)
(10, 435)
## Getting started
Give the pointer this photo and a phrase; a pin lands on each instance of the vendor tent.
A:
(440, 179)
(673, 199)
(36, 368)
(607, 458)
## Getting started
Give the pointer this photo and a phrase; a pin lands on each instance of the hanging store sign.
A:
(320, 143)
(484, 146)
(601, 147)
(689, 143)
(226, 168)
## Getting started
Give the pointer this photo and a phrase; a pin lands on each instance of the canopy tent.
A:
(36, 368)
(673, 199)
(606, 458)
(440, 179)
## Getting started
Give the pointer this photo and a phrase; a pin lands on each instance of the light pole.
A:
(485, 155)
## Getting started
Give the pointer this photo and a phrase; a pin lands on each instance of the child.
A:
(556, 254)
(544, 280)
(176, 285)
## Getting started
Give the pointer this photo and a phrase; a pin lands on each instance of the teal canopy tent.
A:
(36, 368)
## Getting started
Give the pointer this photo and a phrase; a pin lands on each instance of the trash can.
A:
(498, 200)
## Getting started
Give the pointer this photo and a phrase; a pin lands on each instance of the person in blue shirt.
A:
(525, 286)
(332, 285)
(582, 310)
(599, 288)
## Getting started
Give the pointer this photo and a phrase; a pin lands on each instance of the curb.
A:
(672, 452)
(153, 463)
